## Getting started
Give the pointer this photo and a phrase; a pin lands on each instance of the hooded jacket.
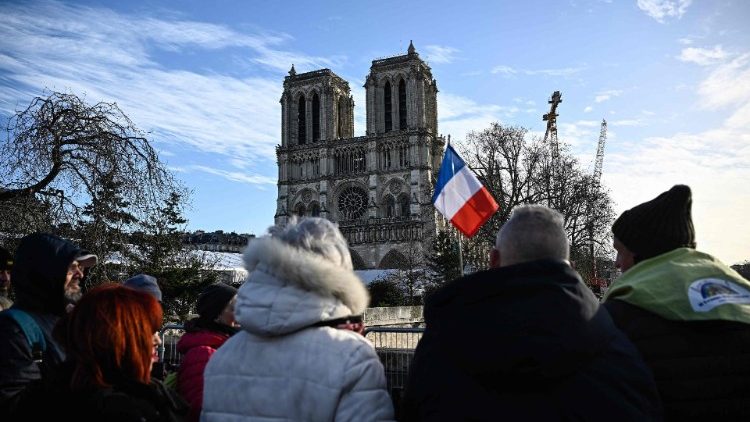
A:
(278, 367)
(689, 316)
(196, 346)
(39, 271)
(525, 342)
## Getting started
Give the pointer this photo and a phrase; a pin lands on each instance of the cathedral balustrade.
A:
(381, 230)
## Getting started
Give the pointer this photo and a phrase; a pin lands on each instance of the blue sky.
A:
(672, 78)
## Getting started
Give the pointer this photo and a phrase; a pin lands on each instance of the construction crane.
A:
(551, 118)
(598, 282)
(600, 153)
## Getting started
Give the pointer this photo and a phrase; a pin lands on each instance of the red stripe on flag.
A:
(475, 212)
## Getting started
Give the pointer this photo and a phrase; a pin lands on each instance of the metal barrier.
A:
(170, 334)
(394, 346)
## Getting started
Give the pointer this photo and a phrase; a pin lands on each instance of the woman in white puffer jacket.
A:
(285, 363)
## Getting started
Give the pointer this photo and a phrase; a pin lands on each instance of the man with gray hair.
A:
(291, 360)
(526, 340)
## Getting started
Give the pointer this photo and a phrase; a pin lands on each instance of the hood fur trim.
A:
(307, 270)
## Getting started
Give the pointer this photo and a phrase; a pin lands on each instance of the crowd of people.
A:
(523, 340)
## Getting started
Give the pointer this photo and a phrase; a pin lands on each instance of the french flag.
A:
(460, 197)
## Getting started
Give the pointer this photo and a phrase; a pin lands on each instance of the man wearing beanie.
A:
(145, 283)
(686, 312)
(213, 326)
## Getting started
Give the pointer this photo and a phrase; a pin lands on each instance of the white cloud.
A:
(460, 115)
(108, 56)
(702, 56)
(588, 109)
(606, 95)
(661, 9)
(727, 85)
(685, 41)
(235, 176)
(627, 122)
(503, 70)
(510, 71)
(440, 54)
(713, 163)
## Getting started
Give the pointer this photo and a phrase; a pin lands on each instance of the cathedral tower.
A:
(377, 187)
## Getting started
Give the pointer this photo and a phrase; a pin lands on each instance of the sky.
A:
(204, 79)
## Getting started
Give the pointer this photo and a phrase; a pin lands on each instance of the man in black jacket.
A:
(47, 272)
(686, 312)
(526, 340)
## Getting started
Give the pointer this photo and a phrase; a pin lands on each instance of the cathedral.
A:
(377, 187)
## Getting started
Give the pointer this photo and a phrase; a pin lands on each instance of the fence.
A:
(394, 346)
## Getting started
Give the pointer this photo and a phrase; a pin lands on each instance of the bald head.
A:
(533, 232)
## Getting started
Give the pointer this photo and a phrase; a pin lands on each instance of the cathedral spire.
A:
(411, 49)
(292, 72)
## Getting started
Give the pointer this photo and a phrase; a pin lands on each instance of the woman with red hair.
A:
(111, 341)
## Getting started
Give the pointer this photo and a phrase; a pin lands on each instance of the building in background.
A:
(377, 187)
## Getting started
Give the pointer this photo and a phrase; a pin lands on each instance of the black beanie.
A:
(659, 225)
(6, 259)
(213, 300)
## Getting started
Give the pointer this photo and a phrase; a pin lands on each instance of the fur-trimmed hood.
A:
(290, 288)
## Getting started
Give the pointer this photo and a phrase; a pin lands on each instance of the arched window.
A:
(300, 210)
(340, 121)
(405, 209)
(390, 207)
(314, 210)
(388, 107)
(316, 117)
(402, 105)
(301, 121)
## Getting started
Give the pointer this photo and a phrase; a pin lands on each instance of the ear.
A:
(494, 258)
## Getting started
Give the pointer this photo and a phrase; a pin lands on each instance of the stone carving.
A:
(306, 196)
(352, 203)
(396, 187)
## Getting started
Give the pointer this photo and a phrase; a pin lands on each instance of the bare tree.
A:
(84, 172)
(60, 151)
(517, 170)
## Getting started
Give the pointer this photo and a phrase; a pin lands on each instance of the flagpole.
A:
(460, 254)
(458, 235)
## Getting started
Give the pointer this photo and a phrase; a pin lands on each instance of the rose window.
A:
(352, 203)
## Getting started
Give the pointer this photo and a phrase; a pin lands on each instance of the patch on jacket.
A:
(707, 293)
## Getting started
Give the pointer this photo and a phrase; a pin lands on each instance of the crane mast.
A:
(600, 153)
(551, 118)
(598, 282)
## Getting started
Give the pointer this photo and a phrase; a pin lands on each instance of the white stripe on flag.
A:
(462, 186)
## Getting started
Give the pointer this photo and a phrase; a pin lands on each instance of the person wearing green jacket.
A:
(686, 312)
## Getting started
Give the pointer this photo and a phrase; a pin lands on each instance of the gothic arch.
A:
(404, 208)
(402, 104)
(340, 115)
(387, 106)
(389, 206)
(357, 261)
(300, 210)
(301, 120)
(315, 116)
(314, 209)
(393, 260)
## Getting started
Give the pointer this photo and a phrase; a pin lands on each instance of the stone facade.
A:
(377, 187)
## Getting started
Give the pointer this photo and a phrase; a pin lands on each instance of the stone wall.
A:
(394, 316)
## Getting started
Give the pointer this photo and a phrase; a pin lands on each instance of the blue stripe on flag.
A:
(452, 163)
